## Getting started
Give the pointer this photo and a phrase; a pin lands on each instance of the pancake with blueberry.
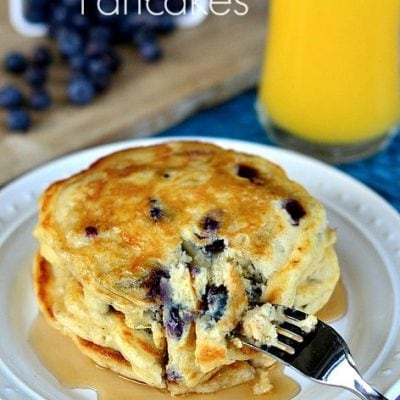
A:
(166, 248)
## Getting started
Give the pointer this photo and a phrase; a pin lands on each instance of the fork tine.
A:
(322, 355)
(288, 341)
(294, 314)
(294, 329)
(290, 333)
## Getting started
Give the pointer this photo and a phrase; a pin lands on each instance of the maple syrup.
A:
(74, 370)
(336, 306)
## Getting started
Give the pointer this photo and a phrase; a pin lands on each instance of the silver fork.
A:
(321, 354)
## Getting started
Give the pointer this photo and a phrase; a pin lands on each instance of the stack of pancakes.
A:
(152, 257)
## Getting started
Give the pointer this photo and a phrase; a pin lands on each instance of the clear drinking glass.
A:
(330, 85)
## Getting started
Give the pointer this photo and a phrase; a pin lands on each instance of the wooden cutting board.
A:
(203, 66)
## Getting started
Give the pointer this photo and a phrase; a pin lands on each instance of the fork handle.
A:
(367, 392)
(364, 390)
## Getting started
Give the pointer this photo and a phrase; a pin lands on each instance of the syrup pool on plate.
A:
(74, 370)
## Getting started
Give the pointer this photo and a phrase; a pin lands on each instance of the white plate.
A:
(368, 247)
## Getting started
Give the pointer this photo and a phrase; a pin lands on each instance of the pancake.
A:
(154, 255)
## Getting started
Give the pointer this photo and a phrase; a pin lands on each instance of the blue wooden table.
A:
(237, 119)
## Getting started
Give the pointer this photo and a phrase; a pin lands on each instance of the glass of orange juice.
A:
(330, 85)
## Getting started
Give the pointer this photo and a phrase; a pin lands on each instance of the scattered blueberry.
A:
(295, 210)
(87, 44)
(165, 24)
(135, 22)
(79, 63)
(250, 173)
(255, 292)
(15, 63)
(10, 97)
(214, 301)
(42, 57)
(96, 49)
(217, 246)
(97, 68)
(156, 211)
(101, 83)
(60, 16)
(210, 224)
(18, 120)
(69, 42)
(81, 91)
(35, 76)
(173, 322)
(91, 231)
(194, 270)
(165, 290)
(100, 34)
(173, 375)
(36, 11)
(74, 4)
(152, 282)
(147, 46)
(80, 22)
(112, 59)
(40, 100)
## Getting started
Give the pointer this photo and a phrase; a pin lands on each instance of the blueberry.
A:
(295, 210)
(91, 231)
(147, 46)
(97, 67)
(74, 4)
(194, 270)
(96, 48)
(165, 24)
(255, 292)
(81, 91)
(217, 246)
(79, 63)
(18, 120)
(153, 281)
(101, 83)
(42, 57)
(156, 211)
(173, 322)
(15, 63)
(210, 224)
(140, 22)
(173, 375)
(100, 34)
(37, 11)
(36, 76)
(69, 42)
(80, 22)
(40, 100)
(10, 97)
(112, 60)
(60, 16)
(165, 291)
(250, 173)
(214, 301)
(150, 51)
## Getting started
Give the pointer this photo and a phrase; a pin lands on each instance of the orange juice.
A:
(332, 69)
